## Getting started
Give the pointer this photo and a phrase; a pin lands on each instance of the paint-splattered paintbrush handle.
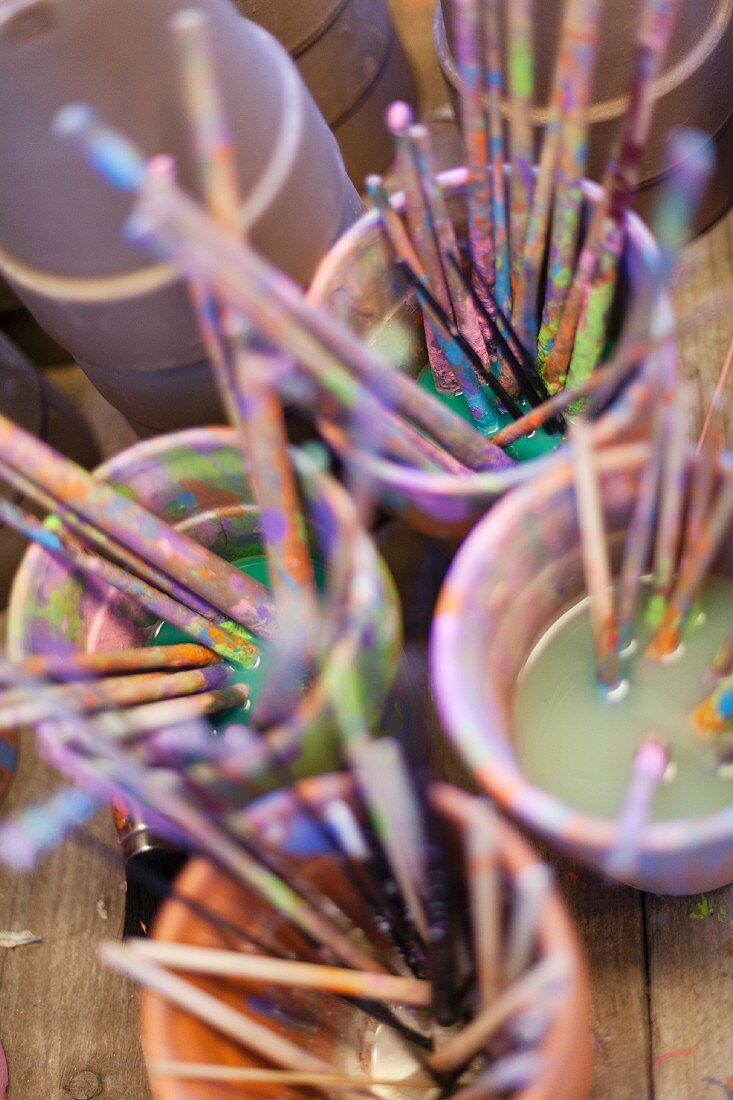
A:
(402, 249)
(493, 78)
(183, 232)
(657, 23)
(131, 524)
(424, 244)
(592, 331)
(581, 42)
(464, 312)
(158, 604)
(92, 538)
(467, 38)
(520, 71)
(82, 666)
(692, 572)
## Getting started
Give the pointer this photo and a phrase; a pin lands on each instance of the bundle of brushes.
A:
(348, 933)
(481, 318)
(653, 612)
(522, 305)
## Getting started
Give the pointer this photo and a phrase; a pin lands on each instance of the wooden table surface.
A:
(661, 967)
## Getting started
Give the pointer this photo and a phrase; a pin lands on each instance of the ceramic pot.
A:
(353, 65)
(329, 1027)
(695, 88)
(518, 570)
(61, 244)
(195, 481)
(358, 283)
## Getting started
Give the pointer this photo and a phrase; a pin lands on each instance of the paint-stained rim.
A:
(403, 480)
(608, 109)
(487, 752)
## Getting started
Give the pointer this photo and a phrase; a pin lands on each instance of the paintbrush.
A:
(267, 1043)
(82, 666)
(399, 118)
(432, 233)
(466, 320)
(620, 180)
(249, 384)
(20, 707)
(100, 571)
(242, 598)
(716, 399)
(479, 372)
(595, 558)
(522, 366)
(520, 73)
(491, 57)
(94, 539)
(640, 534)
(671, 499)
(580, 42)
(467, 36)
(693, 569)
(647, 772)
(484, 888)
(194, 1071)
(244, 280)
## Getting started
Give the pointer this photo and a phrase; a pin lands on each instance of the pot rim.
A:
(407, 480)
(310, 704)
(562, 1046)
(489, 755)
(607, 110)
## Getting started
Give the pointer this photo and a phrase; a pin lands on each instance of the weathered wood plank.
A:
(68, 1025)
(707, 265)
(690, 939)
(690, 944)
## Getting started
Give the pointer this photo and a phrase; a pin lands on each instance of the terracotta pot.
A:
(694, 89)
(347, 1036)
(61, 245)
(195, 480)
(523, 562)
(353, 65)
(358, 283)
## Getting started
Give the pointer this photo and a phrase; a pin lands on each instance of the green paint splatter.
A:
(520, 68)
(705, 909)
(528, 447)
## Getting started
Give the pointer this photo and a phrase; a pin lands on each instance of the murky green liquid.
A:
(577, 745)
(166, 634)
(254, 566)
(531, 446)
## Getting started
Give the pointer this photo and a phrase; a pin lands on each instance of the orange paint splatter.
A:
(671, 1054)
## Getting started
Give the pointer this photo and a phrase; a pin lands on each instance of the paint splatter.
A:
(671, 1054)
(705, 908)
(726, 1086)
(18, 939)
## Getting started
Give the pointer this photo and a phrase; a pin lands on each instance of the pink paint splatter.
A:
(671, 1054)
(3, 1074)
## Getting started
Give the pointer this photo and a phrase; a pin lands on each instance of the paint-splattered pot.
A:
(62, 243)
(195, 481)
(520, 568)
(322, 1023)
(358, 283)
(694, 89)
(353, 65)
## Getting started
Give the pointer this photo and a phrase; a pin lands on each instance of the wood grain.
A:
(68, 1025)
(661, 967)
